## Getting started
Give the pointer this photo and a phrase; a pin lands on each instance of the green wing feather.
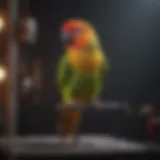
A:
(64, 77)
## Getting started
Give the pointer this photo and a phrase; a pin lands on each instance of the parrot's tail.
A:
(69, 122)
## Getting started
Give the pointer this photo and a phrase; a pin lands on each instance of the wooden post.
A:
(12, 61)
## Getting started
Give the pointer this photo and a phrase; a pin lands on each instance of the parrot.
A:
(81, 73)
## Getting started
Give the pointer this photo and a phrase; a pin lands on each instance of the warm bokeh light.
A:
(3, 74)
(2, 23)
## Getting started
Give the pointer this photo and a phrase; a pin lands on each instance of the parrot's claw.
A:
(68, 141)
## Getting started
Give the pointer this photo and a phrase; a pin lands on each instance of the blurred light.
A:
(3, 74)
(30, 28)
(27, 83)
(2, 23)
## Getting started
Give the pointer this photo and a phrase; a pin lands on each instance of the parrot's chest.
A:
(86, 62)
(85, 82)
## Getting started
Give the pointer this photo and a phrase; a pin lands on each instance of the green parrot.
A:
(81, 71)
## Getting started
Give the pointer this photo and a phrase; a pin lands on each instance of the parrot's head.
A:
(79, 34)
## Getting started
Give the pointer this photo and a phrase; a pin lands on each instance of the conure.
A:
(81, 72)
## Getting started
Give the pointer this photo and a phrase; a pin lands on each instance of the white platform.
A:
(47, 145)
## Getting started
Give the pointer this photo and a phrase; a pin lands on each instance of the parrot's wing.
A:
(63, 72)
(106, 66)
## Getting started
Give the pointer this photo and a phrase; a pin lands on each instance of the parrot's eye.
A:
(77, 31)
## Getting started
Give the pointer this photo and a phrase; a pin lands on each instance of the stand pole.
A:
(12, 62)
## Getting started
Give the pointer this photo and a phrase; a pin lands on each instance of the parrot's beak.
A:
(66, 38)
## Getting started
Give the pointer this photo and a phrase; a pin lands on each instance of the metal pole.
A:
(12, 60)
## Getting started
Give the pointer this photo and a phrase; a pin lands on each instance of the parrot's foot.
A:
(69, 141)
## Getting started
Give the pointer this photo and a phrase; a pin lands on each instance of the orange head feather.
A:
(78, 34)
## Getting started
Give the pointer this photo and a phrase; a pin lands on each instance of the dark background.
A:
(130, 35)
